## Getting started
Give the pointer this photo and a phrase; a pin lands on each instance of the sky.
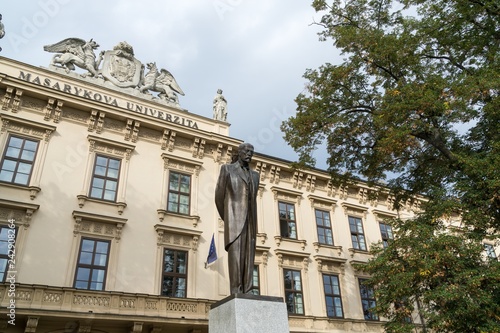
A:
(256, 51)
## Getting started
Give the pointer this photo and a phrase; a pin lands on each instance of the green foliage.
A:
(446, 273)
(417, 96)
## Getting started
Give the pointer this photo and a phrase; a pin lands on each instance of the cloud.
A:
(256, 51)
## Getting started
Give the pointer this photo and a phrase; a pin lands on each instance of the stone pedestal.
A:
(244, 313)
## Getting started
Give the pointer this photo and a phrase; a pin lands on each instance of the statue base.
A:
(246, 313)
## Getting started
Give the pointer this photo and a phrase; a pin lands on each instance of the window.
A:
(92, 264)
(105, 178)
(324, 227)
(386, 232)
(367, 300)
(7, 237)
(357, 234)
(332, 296)
(18, 160)
(293, 292)
(255, 281)
(288, 225)
(179, 189)
(174, 273)
(490, 251)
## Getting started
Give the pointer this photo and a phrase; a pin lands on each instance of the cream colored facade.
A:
(74, 120)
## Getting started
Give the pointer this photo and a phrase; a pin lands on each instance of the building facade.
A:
(107, 215)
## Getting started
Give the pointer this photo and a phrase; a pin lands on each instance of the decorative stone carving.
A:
(120, 67)
(362, 195)
(261, 169)
(33, 103)
(137, 327)
(262, 237)
(7, 97)
(132, 130)
(352, 209)
(162, 82)
(310, 183)
(274, 174)
(17, 100)
(198, 148)
(31, 324)
(84, 222)
(186, 238)
(72, 52)
(217, 153)
(297, 179)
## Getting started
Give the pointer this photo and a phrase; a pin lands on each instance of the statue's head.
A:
(219, 91)
(245, 153)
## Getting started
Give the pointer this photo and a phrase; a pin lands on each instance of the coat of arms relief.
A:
(119, 67)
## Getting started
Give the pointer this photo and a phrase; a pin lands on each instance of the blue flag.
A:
(212, 253)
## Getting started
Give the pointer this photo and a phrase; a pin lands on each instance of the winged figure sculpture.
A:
(77, 52)
(162, 82)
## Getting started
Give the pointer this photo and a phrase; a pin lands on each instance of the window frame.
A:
(105, 178)
(92, 266)
(490, 249)
(8, 255)
(179, 193)
(255, 277)
(357, 234)
(323, 227)
(293, 292)
(23, 128)
(371, 316)
(285, 222)
(18, 160)
(332, 295)
(175, 275)
(389, 238)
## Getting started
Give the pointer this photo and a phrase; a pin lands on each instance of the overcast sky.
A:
(256, 51)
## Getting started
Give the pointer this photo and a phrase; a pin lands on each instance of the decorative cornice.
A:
(163, 230)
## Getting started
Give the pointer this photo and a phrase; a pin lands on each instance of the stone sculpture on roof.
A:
(2, 29)
(120, 69)
(220, 106)
(162, 82)
(72, 52)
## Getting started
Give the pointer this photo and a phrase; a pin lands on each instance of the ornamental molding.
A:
(292, 259)
(322, 202)
(20, 212)
(181, 164)
(354, 209)
(330, 264)
(107, 146)
(26, 127)
(381, 215)
(286, 194)
(179, 237)
(97, 224)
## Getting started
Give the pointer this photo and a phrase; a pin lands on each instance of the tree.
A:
(416, 97)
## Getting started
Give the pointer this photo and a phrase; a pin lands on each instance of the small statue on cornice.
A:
(162, 82)
(73, 52)
(220, 106)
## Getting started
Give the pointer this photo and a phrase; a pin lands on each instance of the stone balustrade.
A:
(46, 299)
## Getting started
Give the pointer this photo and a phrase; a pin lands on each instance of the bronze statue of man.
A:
(235, 198)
